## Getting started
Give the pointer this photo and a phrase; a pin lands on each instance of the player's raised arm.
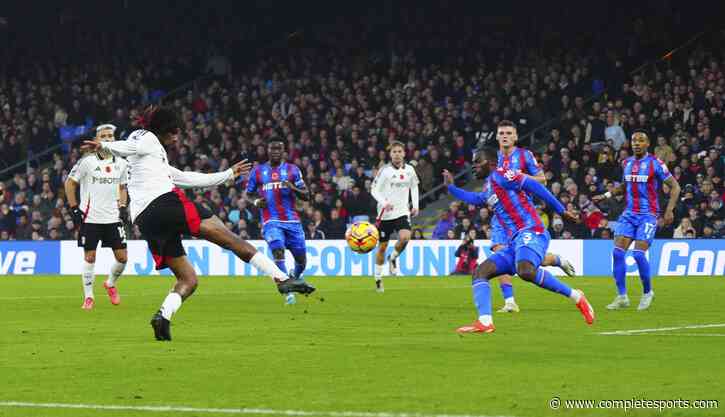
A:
(185, 179)
(469, 197)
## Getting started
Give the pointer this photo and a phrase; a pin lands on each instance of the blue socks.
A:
(620, 270)
(643, 265)
(281, 265)
(482, 297)
(300, 262)
(545, 280)
(507, 290)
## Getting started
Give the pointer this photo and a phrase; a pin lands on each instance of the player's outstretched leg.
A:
(213, 230)
(543, 278)
(507, 290)
(482, 299)
(400, 245)
(620, 278)
(117, 268)
(186, 283)
(552, 259)
(640, 256)
(88, 279)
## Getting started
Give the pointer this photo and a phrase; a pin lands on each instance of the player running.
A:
(163, 213)
(277, 185)
(643, 174)
(511, 157)
(102, 180)
(393, 188)
(510, 195)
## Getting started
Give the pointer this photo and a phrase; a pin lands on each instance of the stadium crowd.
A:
(337, 107)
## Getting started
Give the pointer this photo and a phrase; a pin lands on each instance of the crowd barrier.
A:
(434, 258)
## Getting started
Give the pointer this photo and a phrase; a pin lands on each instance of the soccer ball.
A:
(362, 237)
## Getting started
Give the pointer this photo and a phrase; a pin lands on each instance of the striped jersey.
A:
(518, 160)
(642, 179)
(513, 206)
(268, 183)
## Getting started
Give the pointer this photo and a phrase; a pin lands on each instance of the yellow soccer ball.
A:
(362, 237)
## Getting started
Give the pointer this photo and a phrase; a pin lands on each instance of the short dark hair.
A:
(640, 131)
(487, 152)
(506, 123)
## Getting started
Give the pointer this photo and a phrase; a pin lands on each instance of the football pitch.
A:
(350, 352)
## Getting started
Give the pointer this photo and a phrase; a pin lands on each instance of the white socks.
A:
(576, 295)
(485, 319)
(394, 255)
(378, 272)
(267, 266)
(116, 271)
(88, 279)
(170, 305)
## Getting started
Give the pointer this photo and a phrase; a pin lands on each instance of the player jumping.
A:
(511, 157)
(642, 177)
(278, 184)
(510, 193)
(102, 180)
(393, 188)
(163, 213)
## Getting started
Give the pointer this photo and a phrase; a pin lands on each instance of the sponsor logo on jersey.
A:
(636, 178)
(102, 180)
(273, 186)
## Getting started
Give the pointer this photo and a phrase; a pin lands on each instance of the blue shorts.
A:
(498, 235)
(526, 246)
(282, 235)
(636, 226)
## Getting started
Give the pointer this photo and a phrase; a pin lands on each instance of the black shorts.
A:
(388, 227)
(111, 235)
(165, 220)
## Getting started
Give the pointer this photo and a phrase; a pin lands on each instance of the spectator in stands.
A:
(444, 225)
(467, 254)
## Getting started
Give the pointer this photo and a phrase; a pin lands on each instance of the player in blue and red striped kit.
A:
(277, 185)
(509, 193)
(513, 158)
(643, 175)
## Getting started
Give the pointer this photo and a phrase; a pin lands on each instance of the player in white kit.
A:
(163, 212)
(101, 212)
(395, 186)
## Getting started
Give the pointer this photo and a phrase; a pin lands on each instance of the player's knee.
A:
(278, 254)
(526, 271)
(486, 271)
(90, 257)
(618, 254)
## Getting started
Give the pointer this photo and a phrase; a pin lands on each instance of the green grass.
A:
(236, 345)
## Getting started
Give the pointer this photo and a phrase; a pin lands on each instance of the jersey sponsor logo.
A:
(102, 180)
(273, 186)
(636, 178)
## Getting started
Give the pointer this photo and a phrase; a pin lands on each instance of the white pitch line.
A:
(680, 334)
(250, 411)
(659, 329)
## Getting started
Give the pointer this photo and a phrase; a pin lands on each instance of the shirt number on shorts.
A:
(649, 229)
(122, 233)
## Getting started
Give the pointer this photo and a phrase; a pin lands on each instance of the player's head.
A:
(484, 161)
(106, 133)
(506, 134)
(640, 143)
(397, 152)
(275, 149)
(162, 122)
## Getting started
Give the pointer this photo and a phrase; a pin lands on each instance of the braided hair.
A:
(159, 120)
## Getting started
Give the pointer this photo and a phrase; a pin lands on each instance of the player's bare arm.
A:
(258, 202)
(669, 216)
(617, 190)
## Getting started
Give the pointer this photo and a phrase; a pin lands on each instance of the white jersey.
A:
(149, 172)
(395, 186)
(100, 180)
